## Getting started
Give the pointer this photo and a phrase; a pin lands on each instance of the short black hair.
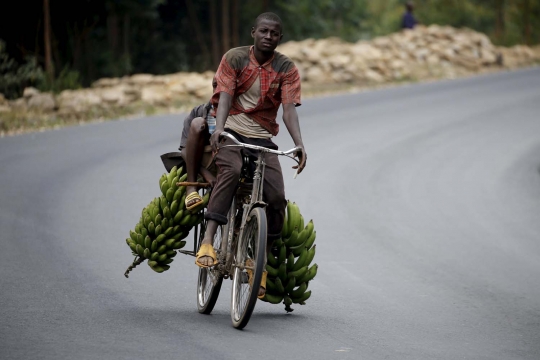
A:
(269, 16)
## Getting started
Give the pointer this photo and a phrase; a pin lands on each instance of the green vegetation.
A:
(63, 44)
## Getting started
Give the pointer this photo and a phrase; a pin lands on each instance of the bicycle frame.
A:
(256, 200)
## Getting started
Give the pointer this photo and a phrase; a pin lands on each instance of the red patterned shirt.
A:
(280, 84)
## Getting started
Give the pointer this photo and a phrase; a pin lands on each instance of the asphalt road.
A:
(426, 202)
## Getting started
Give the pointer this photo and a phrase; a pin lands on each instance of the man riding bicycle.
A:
(252, 82)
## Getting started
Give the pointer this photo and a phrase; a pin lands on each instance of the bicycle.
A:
(240, 245)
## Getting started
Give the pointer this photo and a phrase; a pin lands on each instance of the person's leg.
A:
(229, 164)
(274, 196)
(198, 133)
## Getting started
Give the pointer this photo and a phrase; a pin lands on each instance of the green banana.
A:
(162, 258)
(152, 263)
(160, 238)
(133, 235)
(174, 207)
(182, 179)
(164, 187)
(271, 259)
(309, 275)
(140, 240)
(300, 291)
(273, 299)
(168, 232)
(138, 228)
(298, 274)
(171, 175)
(300, 262)
(157, 219)
(270, 286)
(167, 261)
(147, 242)
(161, 249)
(140, 250)
(290, 284)
(171, 253)
(169, 195)
(302, 237)
(157, 268)
(290, 262)
(147, 253)
(165, 224)
(186, 220)
(311, 254)
(151, 228)
(181, 235)
(173, 184)
(279, 286)
(303, 298)
(179, 244)
(311, 239)
(178, 193)
(282, 254)
(285, 229)
(309, 228)
(287, 301)
(167, 212)
(132, 246)
(297, 250)
(157, 230)
(178, 217)
(183, 201)
(163, 203)
(282, 272)
(154, 256)
(301, 225)
(291, 241)
(144, 233)
(293, 214)
(272, 272)
(278, 243)
(169, 243)
(154, 245)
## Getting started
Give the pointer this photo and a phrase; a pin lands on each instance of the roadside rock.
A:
(423, 53)
(42, 102)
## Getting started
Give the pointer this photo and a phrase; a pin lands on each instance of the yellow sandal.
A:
(206, 250)
(249, 263)
(193, 196)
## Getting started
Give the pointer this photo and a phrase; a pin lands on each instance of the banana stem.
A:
(138, 260)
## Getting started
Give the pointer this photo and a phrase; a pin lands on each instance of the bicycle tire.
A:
(252, 245)
(209, 280)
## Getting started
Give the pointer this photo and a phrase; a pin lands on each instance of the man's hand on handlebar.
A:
(302, 156)
(214, 139)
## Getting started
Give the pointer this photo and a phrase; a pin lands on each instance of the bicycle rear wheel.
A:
(251, 250)
(209, 279)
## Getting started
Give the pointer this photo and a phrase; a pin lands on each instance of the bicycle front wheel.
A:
(210, 279)
(249, 266)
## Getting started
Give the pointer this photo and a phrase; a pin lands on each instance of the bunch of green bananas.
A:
(288, 263)
(164, 224)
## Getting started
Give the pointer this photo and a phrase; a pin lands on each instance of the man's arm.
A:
(224, 106)
(290, 118)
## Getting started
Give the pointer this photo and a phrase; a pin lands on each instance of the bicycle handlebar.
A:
(255, 147)
(262, 148)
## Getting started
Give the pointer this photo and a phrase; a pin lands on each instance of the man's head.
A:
(409, 5)
(267, 32)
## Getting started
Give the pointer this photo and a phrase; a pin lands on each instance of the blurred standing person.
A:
(408, 21)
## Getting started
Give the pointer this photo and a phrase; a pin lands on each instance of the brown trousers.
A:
(229, 163)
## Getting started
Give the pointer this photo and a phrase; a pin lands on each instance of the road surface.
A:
(426, 202)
